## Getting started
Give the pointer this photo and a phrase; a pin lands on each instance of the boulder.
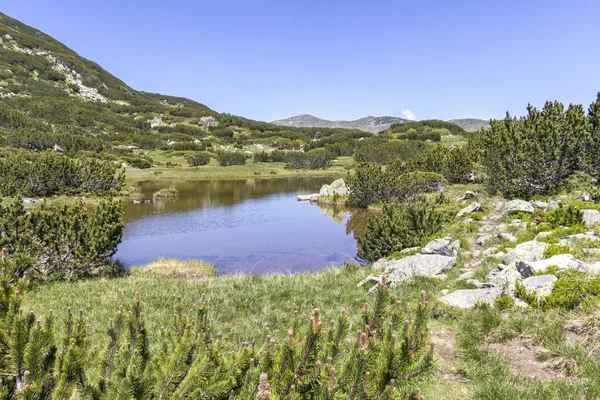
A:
(528, 251)
(562, 261)
(591, 217)
(505, 276)
(551, 206)
(517, 206)
(467, 298)
(473, 207)
(416, 265)
(337, 187)
(308, 197)
(467, 196)
(442, 246)
(539, 204)
(541, 284)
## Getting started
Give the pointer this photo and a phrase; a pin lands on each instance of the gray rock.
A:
(473, 207)
(479, 285)
(442, 246)
(539, 204)
(308, 197)
(482, 239)
(501, 227)
(337, 187)
(578, 237)
(541, 284)
(585, 197)
(507, 236)
(466, 275)
(500, 255)
(467, 298)
(416, 265)
(517, 206)
(593, 268)
(552, 206)
(468, 221)
(467, 196)
(517, 222)
(28, 201)
(490, 251)
(562, 261)
(542, 235)
(528, 251)
(58, 149)
(505, 276)
(591, 217)
(409, 250)
(444, 292)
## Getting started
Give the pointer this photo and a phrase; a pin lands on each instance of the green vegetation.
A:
(167, 193)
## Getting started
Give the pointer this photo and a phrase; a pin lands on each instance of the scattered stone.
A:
(442, 246)
(594, 268)
(551, 206)
(501, 227)
(467, 196)
(578, 237)
(539, 204)
(541, 284)
(482, 239)
(528, 251)
(507, 236)
(591, 217)
(337, 187)
(473, 207)
(444, 292)
(28, 201)
(479, 285)
(409, 250)
(585, 197)
(500, 255)
(517, 206)
(542, 235)
(57, 148)
(505, 276)
(467, 298)
(516, 222)
(490, 251)
(562, 261)
(468, 221)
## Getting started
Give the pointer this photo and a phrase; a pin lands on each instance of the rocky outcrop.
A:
(562, 261)
(337, 187)
(467, 298)
(442, 246)
(473, 207)
(517, 206)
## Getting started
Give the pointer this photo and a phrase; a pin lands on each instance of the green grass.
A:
(174, 269)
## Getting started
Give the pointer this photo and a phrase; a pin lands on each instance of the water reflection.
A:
(253, 225)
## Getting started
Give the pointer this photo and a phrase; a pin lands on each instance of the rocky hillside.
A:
(367, 124)
(471, 124)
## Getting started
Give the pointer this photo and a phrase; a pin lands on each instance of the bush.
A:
(228, 158)
(199, 158)
(399, 228)
(194, 362)
(313, 159)
(61, 242)
(572, 289)
(564, 216)
(382, 151)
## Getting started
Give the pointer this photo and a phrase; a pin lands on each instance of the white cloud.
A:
(407, 114)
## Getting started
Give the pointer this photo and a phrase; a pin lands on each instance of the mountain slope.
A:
(367, 124)
(471, 124)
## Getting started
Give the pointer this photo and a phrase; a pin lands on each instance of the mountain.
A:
(367, 124)
(471, 124)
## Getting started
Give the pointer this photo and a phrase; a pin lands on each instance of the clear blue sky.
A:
(338, 59)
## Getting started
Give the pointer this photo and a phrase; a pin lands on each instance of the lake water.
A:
(247, 226)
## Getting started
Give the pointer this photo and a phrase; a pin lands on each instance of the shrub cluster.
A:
(313, 159)
(61, 242)
(50, 173)
(226, 158)
(537, 153)
(199, 158)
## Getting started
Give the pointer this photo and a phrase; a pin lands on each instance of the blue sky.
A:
(338, 59)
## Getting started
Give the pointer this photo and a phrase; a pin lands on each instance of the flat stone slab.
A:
(416, 265)
(467, 298)
(441, 246)
(517, 206)
(308, 197)
(473, 207)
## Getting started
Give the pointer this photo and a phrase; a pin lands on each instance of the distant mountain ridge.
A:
(369, 124)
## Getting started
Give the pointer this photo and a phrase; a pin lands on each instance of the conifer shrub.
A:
(312, 159)
(225, 158)
(199, 158)
(399, 227)
(317, 360)
(564, 216)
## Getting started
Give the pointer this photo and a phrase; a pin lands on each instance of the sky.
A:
(338, 59)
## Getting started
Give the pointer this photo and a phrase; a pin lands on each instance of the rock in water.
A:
(337, 187)
(442, 246)
(473, 207)
(517, 206)
(541, 284)
(528, 251)
(562, 261)
(591, 217)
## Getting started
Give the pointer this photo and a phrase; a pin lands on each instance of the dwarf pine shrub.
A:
(316, 360)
